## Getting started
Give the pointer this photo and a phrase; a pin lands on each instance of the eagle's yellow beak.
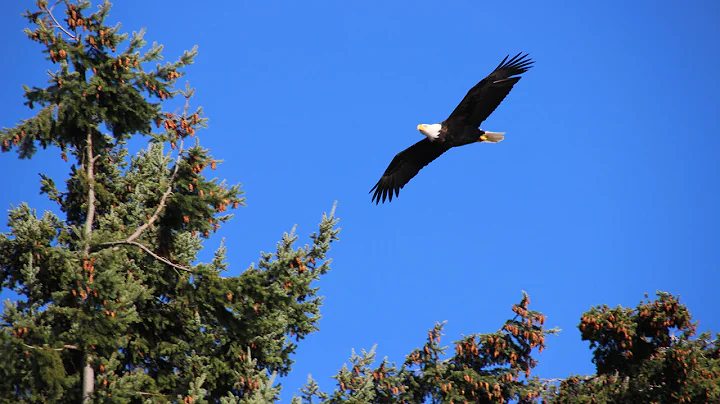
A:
(421, 126)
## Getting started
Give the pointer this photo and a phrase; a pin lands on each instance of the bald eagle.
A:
(459, 129)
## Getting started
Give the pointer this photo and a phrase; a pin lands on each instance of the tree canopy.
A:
(114, 304)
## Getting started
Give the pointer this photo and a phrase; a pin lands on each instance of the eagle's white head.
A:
(431, 131)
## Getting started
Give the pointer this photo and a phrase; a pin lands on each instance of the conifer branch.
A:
(147, 250)
(163, 200)
(57, 24)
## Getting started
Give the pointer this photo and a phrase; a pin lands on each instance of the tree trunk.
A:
(89, 372)
(88, 379)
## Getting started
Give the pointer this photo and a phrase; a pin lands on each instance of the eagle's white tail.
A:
(494, 137)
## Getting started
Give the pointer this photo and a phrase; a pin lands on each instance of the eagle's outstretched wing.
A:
(404, 167)
(486, 95)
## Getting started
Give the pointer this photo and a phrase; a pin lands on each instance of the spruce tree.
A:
(484, 368)
(648, 354)
(643, 355)
(114, 305)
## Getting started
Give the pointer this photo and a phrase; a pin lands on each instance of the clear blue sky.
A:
(605, 188)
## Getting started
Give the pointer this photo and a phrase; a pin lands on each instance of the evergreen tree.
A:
(113, 305)
(485, 368)
(644, 355)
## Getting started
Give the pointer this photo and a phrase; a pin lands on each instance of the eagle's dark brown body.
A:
(459, 136)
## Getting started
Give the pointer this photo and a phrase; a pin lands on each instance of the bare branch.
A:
(142, 393)
(163, 200)
(582, 379)
(57, 24)
(56, 3)
(50, 349)
(147, 250)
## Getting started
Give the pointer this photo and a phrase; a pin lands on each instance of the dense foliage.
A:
(112, 301)
(645, 355)
(113, 304)
(485, 368)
